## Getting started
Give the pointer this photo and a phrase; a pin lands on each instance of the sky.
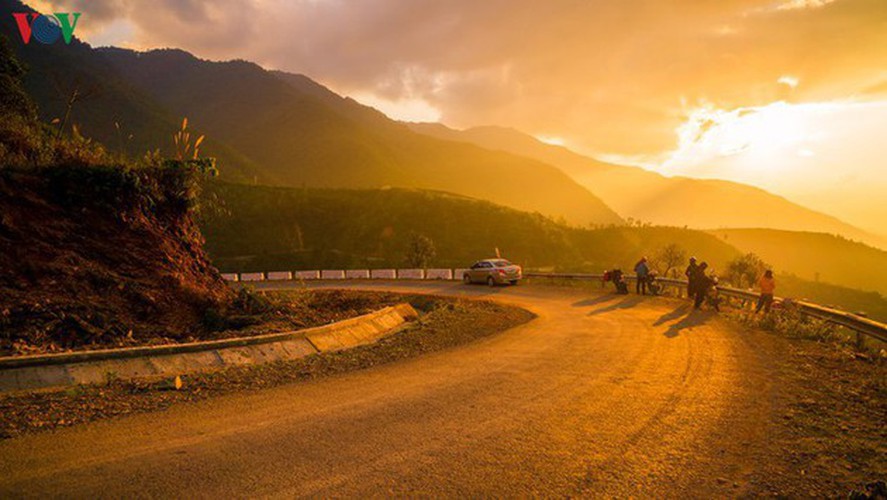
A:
(789, 95)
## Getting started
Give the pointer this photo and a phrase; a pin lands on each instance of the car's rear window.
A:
(501, 263)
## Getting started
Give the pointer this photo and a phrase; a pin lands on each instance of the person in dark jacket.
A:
(690, 273)
(701, 284)
(641, 270)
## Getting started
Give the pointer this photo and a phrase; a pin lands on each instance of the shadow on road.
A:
(626, 303)
(692, 319)
(596, 300)
(677, 313)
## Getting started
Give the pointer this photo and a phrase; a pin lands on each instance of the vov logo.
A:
(46, 28)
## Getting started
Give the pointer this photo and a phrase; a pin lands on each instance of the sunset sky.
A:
(789, 95)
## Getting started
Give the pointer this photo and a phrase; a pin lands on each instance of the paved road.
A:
(601, 395)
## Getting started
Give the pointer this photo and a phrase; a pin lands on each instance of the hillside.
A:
(814, 256)
(263, 228)
(83, 264)
(651, 197)
(93, 253)
(305, 136)
(259, 228)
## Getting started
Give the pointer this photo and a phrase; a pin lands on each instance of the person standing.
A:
(690, 273)
(642, 271)
(701, 284)
(767, 285)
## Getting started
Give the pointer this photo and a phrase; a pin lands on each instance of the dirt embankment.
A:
(89, 257)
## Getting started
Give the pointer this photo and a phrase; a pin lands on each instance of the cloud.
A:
(612, 76)
(803, 4)
(788, 80)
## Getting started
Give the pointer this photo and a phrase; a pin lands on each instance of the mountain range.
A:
(283, 129)
(651, 197)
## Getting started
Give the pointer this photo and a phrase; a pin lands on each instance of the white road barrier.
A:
(383, 274)
(410, 274)
(252, 277)
(332, 275)
(438, 274)
(357, 274)
(307, 275)
(458, 274)
(229, 276)
(279, 276)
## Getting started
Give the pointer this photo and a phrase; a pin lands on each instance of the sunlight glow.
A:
(758, 131)
(554, 141)
(803, 4)
(410, 110)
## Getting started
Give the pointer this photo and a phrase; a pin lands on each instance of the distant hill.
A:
(648, 196)
(814, 256)
(254, 228)
(262, 228)
(872, 304)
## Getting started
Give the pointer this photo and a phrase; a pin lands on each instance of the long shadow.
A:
(626, 303)
(693, 319)
(596, 300)
(677, 313)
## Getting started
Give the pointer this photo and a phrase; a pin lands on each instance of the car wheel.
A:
(491, 281)
(513, 282)
(466, 278)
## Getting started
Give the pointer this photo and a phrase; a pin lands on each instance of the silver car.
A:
(493, 272)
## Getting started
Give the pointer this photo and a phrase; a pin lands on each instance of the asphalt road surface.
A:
(601, 395)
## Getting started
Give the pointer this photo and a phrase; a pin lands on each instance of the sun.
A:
(765, 136)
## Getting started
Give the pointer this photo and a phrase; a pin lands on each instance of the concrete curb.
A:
(53, 370)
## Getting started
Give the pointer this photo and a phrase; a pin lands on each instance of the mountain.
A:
(814, 256)
(648, 196)
(103, 99)
(306, 135)
(277, 129)
(265, 228)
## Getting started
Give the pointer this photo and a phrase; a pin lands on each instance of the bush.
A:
(788, 320)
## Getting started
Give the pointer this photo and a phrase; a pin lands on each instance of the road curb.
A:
(55, 370)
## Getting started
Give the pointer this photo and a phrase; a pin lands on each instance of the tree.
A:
(669, 257)
(421, 250)
(743, 271)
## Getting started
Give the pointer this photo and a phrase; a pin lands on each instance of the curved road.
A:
(600, 395)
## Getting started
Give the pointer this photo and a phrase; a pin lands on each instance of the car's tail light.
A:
(501, 271)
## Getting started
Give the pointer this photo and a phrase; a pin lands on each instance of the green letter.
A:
(67, 26)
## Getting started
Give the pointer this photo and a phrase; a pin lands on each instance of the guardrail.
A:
(859, 324)
(854, 322)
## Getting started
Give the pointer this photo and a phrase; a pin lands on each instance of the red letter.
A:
(24, 28)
